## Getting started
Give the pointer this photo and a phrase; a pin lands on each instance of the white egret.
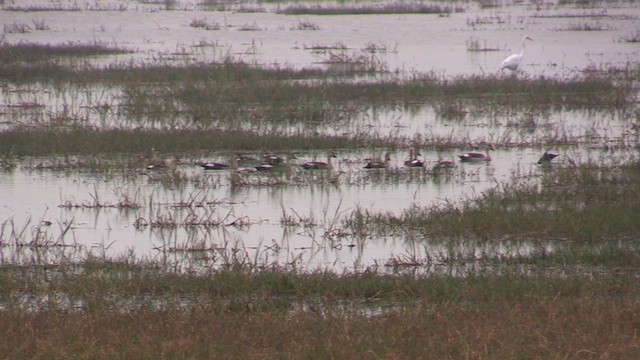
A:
(513, 61)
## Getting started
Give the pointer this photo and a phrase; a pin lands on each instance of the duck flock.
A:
(269, 162)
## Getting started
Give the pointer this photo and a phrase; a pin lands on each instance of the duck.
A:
(412, 160)
(379, 164)
(159, 165)
(272, 159)
(319, 165)
(547, 157)
(162, 164)
(270, 167)
(245, 159)
(477, 156)
(444, 164)
(212, 165)
(156, 164)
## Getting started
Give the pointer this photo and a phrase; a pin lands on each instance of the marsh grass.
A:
(631, 38)
(328, 102)
(126, 201)
(235, 95)
(51, 142)
(585, 26)
(26, 53)
(204, 24)
(101, 308)
(473, 45)
(397, 8)
(575, 208)
(306, 25)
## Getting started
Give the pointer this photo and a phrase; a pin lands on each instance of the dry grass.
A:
(578, 318)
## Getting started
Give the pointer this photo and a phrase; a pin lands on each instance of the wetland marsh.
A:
(108, 109)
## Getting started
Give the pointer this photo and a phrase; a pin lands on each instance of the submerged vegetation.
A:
(573, 208)
(509, 297)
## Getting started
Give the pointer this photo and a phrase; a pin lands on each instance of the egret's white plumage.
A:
(513, 61)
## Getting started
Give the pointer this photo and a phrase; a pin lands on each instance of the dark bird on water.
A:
(547, 157)
(477, 156)
(379, 164)
(319, 165)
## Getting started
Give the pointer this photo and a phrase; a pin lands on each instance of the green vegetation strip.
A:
(78, 141)
(32, 52)
(122, 310)
(589, 213)
(398, 8)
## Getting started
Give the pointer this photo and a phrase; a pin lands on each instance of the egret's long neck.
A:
(523, 45)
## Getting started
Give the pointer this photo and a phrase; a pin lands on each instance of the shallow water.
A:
(250, 218)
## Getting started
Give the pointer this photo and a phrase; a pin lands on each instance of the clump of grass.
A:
(585, 26)
(203, 23)
(126, 201)
(631, 38)
(324, 48)
(250, 27)
(30, 52)
(40, 24)
(15, 28)
(473, 45)
(355, 61)
(486, 20)
(306, 25)
(395, 8)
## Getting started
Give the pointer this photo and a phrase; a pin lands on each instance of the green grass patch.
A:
(393, 8)
(27, 53)
(126, 309)
(78, 141)
(588, 213)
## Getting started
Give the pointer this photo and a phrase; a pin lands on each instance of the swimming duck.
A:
(313, 165)
(477, 156)
(272, 159)
(245, 159)
(412, 160)
(155, 163)
(270, 167)
(210, 165)
(159, 165)
(379, 164)
(547, 157)
(445, 164)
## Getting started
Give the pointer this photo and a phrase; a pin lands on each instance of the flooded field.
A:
(59, 207)
(326, 179)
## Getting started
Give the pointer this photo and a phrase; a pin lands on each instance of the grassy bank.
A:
(123, 312)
